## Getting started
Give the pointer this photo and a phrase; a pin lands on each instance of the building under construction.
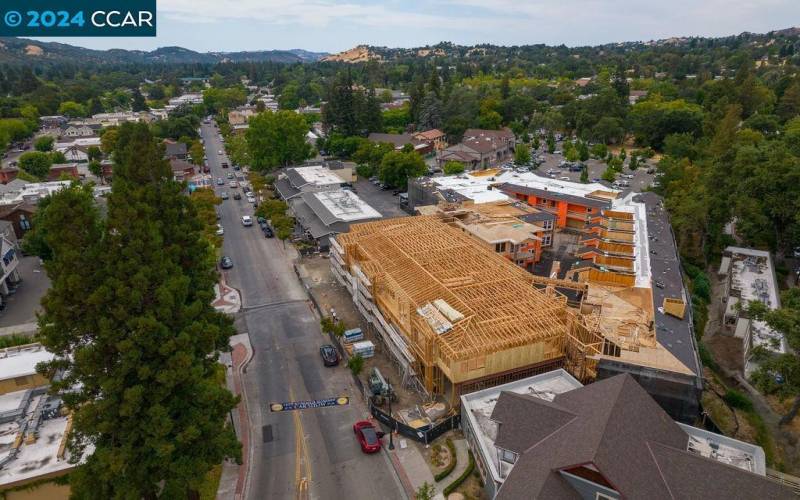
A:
(455, 315)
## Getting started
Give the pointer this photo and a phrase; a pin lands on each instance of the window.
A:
(500, 247)
(546, 240)
(507, 456)
(548, 225)
(589, 209)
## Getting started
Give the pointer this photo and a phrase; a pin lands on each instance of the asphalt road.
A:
(308, 454)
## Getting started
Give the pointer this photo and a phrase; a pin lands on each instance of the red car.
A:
(368, 438)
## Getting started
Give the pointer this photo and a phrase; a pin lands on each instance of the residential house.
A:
(480, 149)
(181, 170)
(8, 174)
(582, 82)
(174, 150)
(191, 98)
(549, 437)
(399, 141)
(75, 153)
(434, 138)
(74, 130)
(20, 215)
(9, 260)
(635, 95)
(53, 121)
(59, 170)
(241, 115)
(7, 232)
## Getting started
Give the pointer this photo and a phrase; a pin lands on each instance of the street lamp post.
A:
(391, 431)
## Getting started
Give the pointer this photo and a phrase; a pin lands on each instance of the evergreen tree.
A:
(416, 96)
(789, 105)
(369, 116)
(430, 114)
(129, 317)
(434, 85)
(339, 113)
(138, 103)
(505, 87)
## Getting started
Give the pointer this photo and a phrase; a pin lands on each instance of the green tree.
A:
(430, 113)
(452, 168)
(356, 364)
(599, 151)
(137, 101)
(609, 174)
(277, 140)
(634, 163)
(398, 166)
(584, 174)
(583, 151)
(140, 354)
(522, 154)
(36, 163)
(108, 141)
(44, 143)
(551, 143)
(94, 153)
(95, 168)
(71, 109)
(785, 320)
(197, 152)
(789, 104)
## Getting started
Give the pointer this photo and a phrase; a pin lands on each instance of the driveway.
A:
(22, 306)
(383, 201)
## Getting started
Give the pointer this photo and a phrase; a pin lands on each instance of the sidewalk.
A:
(411, 467)
(227, 299)
(232, 484)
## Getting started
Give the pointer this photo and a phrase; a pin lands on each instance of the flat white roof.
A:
(346, 205)
(79, 141)
(318, 175)
(752, 273)
(22, 361)
(32, 190)
(35, 459)
(478, 407)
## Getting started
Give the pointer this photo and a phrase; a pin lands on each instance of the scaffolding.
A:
(496, 321)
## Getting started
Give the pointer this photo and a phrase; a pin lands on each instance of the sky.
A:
(336, 25)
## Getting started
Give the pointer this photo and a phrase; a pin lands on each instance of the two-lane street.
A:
(310, 454)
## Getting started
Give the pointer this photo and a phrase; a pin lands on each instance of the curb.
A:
(400, 472)
(238, 374)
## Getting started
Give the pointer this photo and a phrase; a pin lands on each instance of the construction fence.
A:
(424, 436)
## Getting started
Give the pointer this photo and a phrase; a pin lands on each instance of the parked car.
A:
(224, 195)
(247, 221)
(230, 175)
(226, 262)
(651, 170)
(220, 181)
(268, 232)
(330, 357)
(236, 195)
(565, 178)
(236, 167)
(251, 198)
(220, 230)
(233, 184)
(224, 164)
(219, 152)
(627, 176)
(367, 436)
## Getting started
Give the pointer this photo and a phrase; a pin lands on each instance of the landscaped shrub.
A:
(464, 475)
(452, 465)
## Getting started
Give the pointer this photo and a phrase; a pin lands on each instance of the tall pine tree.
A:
(129, 317)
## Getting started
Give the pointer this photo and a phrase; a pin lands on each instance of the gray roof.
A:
(537, 217)
(399, 140)
(174, 148)
(552, 195)
(295, 178)
(285, 189)
(615, 426)
(676, 335)
(310, 221)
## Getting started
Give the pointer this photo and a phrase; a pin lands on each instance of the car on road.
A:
(564, 178)
(236, 167)
(251, 198)
(237, 196)
(233, 184)
(367, 436)
(268, 232)
(224, 195)
(226, 262)
(219, 152)
(220, 181)
(224, 164)
(330, 357)
(247, 221)
(230, 175)
(220, 230)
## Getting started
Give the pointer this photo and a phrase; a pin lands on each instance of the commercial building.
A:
(323, 214)
(241, 115)
(614, 257)
(454, 314)
(33, 427)
(750, 276)
(548, 437)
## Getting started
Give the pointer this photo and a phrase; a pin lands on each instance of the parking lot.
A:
(22, 306)
(641, 179)
(384, 201)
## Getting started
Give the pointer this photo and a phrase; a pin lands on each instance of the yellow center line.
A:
(302, 463)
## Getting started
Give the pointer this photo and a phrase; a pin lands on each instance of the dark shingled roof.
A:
(615, 426)
(285, 189)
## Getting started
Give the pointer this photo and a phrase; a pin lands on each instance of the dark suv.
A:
(329, 355)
